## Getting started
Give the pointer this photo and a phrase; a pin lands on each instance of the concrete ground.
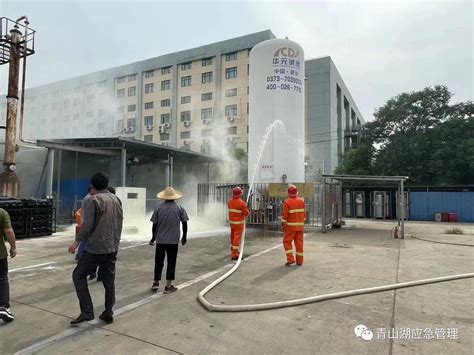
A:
(439, 317)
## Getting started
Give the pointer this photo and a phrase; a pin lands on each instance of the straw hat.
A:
(169, 194)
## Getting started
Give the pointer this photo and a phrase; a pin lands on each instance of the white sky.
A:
(381, 48)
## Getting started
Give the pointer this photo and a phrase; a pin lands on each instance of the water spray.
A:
(300, 301)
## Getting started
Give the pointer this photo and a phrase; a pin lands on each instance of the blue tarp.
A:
(423, 205)
(71, 189)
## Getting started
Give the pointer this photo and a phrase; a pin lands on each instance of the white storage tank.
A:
(276, 93)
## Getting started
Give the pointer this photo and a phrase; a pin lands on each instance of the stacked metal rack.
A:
(31, 217)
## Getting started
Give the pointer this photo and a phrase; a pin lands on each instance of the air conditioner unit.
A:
(230, 139)
(231, 118)
(207, 120)
(167, 125)
(125, 129)
(131, 129)
(161, 129)
(187, 123)
(205, 140)
(164, 144)
(187, 141)
(149, 127)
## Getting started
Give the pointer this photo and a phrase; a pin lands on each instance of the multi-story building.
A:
(195, 99)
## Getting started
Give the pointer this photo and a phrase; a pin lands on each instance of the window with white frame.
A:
(148, 138)
(231, 73)
(206, 77)
(185, 99)
(231, 110)
(206, 113)
(206, 96)
(165, 118)
(186, 81)
(148, 120)
(185, 116)
(231, 56)
(149, 88)
(149, 105)
(165, 85)
(231, 92)
(185, 135)
(132, 91)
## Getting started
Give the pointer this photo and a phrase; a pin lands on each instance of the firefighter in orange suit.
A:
(238, 211)
(292, 223)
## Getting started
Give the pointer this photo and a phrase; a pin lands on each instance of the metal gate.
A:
(265, 209)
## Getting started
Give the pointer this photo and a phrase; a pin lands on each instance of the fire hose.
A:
(318, 298)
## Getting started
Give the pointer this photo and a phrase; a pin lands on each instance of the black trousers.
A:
(4, 286)
(171, 251)
(87, 265)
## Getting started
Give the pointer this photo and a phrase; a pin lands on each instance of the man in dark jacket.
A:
(102, 228)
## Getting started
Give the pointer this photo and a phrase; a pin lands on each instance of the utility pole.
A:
(14, 45)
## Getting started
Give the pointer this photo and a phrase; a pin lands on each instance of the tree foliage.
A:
(418, 134)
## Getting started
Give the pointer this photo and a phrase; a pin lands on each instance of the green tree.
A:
(418, 134)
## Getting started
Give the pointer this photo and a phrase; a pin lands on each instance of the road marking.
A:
(71, 331)
(134, 246)
(33, 266)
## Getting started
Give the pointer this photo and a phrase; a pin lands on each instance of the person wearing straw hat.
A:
(166, 232)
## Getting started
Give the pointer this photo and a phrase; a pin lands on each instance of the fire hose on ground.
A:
(318, 298)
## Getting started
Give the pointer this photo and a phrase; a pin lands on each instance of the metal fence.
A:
(266, 210)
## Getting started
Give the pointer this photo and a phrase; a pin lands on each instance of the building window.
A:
(165, 118)
(101, 112)
(231, 56)
(132, 77)
(120, 109)
(247, 108)
(185, 99)
(165, 85)
(206, 96)
(166, 70)
(67, 118)
(89, 114)
(67, 103)
(231, 92)
(206, 113)
(231, 110)
(132, 108)
(185, 135)
(206, 77)
(186, 81)
(186, 66)
(165, 103)
(76, 102)
(148, 138)
(131, 123)
(101, 126)
(133, 90)
(231, 130)
(185, 116)
(148, 105)
(119, 126)
(149, 74)
(206, 133)
(148, 120)
(120, 80)
(164, 137)
(76, 116)
(231, 73)
(102, 83)
(206, 62)
(89, 99)
(148, 88)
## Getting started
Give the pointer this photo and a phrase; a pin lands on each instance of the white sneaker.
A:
(6, 314)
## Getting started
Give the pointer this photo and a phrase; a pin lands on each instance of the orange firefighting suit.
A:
(237, 212)
(292, 220)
